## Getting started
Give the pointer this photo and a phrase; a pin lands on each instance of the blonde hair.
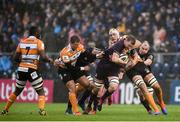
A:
(114, 31)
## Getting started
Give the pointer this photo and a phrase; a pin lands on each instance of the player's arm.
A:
(135, 58)
(67, 62)
(58, 63)
(43, 54)
(149, 60)
(92, 54)
(17, 55)
(116, 59)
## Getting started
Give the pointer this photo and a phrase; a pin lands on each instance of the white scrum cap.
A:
(114, 31)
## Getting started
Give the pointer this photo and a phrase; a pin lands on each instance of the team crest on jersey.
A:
(34, 75)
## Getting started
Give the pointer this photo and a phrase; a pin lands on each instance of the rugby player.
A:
(113, 38)
(147, 57)
(141, 75)
(84, 61)
(109, 67)
(27, 55)
(71, 73)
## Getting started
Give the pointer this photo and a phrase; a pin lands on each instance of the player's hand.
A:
(56, 63)
(86, 68)
(100, 55)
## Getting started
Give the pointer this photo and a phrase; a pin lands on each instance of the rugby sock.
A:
(160, 97)
(10, 101)
(84, 97)
(69, 106)
(146, 105)
(96, 103)
(41, 102)
(73, 100)
(151, 101)
(91, 99)
(106, 94)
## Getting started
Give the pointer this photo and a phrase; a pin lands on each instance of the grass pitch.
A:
(29, 112)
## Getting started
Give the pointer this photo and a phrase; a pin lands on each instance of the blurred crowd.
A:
(157, 21)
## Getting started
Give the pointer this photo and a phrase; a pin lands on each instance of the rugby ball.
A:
(124, 57)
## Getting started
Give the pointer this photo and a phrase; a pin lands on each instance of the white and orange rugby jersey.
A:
(67, 55)
(29, 49)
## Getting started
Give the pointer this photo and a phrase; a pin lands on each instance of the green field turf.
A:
(28, 112)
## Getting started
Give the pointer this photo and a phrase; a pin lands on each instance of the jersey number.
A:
(27, 48)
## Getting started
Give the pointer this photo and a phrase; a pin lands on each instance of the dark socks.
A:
(69, 105)
(92, 98)
(106, 94)
(84, 96)
(146, 105)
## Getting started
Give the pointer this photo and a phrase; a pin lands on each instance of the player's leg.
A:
(68, 80)
(79, 88)
(94, 95)
(37, 83)
(113, 85)
(144, 102)
(72, 96)
(86, 94)
(138, 80)
(151, 80)
(69, 108)
(21, 79)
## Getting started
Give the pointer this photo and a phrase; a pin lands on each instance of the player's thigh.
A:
(21, 77)
(151, 80)
(35, 79)
(64, 75)
(84, 81)
(113, 82)
(138, 80)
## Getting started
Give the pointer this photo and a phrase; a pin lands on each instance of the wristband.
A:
(82, 68)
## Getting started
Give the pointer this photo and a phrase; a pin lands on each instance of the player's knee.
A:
(113, 87)
(139, 82)
(37, 84)
(20, 84)
(19, 87)
(18, 91)
(151, 90)
(152, 81)
(157, 87)
(71, 86)
(84, 82)
(143, 88)
(90, 78)
(79, 88)
(98, 85)
(113, 84)
(40, 91)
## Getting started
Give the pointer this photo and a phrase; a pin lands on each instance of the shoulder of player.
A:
(64, 51)
(39, 41)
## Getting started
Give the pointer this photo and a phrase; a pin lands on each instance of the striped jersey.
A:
(29, 49)
(67, 55)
